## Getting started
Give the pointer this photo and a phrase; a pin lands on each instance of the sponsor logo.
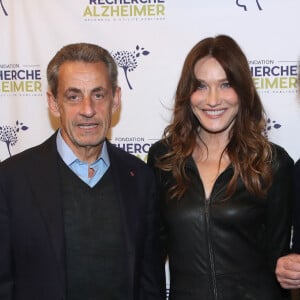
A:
(9, 134)
(240, 3)
(125, 10)
(20, 80)
(138, 146)
(3, 8)
(272, 76)
(128, 60)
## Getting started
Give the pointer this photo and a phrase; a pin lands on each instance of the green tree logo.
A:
(9, 134)
(128, 60)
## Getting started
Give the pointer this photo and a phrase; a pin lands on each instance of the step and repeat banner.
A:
(149, 40)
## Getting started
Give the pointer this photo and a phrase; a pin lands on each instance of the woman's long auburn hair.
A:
(248, 149)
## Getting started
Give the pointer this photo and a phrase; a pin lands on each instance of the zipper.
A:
(210, 247)
(207, 203)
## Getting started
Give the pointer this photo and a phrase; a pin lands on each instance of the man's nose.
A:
(87, 107)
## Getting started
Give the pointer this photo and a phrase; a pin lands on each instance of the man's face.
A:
(84, 104)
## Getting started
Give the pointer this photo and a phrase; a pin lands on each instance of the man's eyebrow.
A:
(98, 89)
(72, 89)
(77, 90)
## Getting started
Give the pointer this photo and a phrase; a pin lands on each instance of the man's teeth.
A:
(87, 126)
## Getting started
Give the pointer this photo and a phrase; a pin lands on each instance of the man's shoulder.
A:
(28, 156)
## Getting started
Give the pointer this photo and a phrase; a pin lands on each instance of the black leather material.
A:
(225, 250)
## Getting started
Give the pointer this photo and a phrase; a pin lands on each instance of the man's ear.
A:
(116, 99)
(53, 105)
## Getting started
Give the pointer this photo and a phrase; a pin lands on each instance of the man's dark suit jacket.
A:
(32, 253)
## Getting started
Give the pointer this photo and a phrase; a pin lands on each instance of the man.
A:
(77, 215)
(288, 267)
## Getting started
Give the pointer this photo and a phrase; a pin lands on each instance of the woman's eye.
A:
(201, 86)
(225, 85)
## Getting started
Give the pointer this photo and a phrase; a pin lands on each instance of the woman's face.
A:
(215, 103)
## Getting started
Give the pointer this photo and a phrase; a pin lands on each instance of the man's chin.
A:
(90, 142)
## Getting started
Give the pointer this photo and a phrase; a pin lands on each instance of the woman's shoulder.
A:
(159, 148)
(297, 172)
(297, 164)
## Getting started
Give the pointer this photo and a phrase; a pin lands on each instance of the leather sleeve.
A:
(153, 275)
(155, 151)
(279, 204)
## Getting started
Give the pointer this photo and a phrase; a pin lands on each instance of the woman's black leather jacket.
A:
(225, 250)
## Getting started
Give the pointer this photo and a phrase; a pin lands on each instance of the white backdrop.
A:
(155, 36)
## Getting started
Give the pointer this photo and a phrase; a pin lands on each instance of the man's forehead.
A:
(84, 75)
(83, 69)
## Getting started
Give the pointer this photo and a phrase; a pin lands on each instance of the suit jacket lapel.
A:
(124, 190)
(46, 189)
(126, 184)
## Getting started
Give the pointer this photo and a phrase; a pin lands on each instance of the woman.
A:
(224, 188)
